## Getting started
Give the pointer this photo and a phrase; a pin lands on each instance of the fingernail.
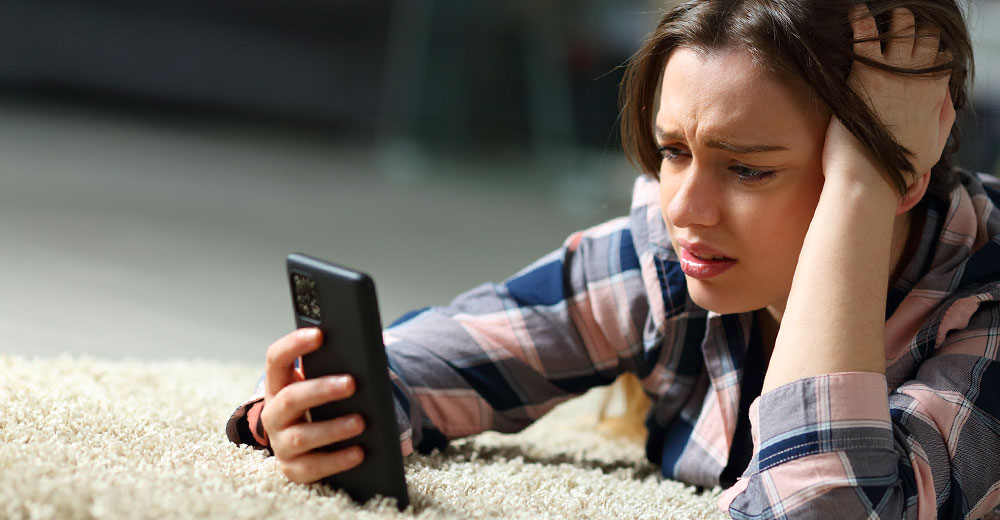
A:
(339, 382)
(354, 455)
(307, 332)
(351, 423)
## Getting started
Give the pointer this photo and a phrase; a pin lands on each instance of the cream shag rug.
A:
(88, 438)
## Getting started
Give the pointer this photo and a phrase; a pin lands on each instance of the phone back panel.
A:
(343, 304)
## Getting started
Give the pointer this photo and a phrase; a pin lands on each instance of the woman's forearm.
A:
(834, 318)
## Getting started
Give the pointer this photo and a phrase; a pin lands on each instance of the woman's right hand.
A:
(287, 397)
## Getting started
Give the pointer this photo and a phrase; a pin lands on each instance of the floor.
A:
(128, 235)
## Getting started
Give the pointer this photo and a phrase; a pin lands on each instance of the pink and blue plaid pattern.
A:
(921, 442)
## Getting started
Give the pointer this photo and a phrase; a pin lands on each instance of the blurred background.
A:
(159, 158)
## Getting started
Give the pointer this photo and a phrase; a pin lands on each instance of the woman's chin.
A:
(719, 300)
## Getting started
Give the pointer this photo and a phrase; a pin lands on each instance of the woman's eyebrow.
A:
(722, 144)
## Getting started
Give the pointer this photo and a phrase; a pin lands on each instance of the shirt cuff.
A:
(244, 425)
(256, 426)
(832, 412)
(840, 421)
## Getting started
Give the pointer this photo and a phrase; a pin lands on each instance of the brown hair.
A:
(805, 39)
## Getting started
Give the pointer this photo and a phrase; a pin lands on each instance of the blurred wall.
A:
(981, 127)
(500, 73)
(449, 74)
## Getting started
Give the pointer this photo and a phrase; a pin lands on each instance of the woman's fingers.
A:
(902, 32)
(926, 48)
(907, 44)
(279, 368)
(302, 438)
(287, 397)
(865, 33)
(291, 402)
(311, 467)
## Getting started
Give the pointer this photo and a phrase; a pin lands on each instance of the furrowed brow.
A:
(663, 135)
(744, 147)
(741, 148)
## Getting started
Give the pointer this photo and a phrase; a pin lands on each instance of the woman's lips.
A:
(702, 266)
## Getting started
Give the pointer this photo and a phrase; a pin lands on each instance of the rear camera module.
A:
(306, 297)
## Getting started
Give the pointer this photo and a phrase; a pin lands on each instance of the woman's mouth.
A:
(705, 263)
(709, 257)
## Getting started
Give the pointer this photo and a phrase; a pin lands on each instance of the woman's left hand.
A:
(917, 109)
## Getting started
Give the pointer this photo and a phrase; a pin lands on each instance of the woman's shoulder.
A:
(973, 221)
(980, 182)
(958, 295)
(978, 279)
(665, 282)
(646, 220)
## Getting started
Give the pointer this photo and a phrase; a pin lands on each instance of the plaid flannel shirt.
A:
(921, 441)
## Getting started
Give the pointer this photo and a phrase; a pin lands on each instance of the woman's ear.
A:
(914, 192)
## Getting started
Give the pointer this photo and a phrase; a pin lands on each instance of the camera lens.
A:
(306, 297)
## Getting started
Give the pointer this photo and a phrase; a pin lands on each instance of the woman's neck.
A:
(768, 320)
(905, 239)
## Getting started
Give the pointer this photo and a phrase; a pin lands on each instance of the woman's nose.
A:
(693, 198)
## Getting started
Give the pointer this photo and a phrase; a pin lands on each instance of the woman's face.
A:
(740, 177)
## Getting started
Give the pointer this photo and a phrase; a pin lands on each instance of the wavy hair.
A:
(811, 41)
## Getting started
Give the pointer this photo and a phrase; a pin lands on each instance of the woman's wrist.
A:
(867, 192)
(850, 171)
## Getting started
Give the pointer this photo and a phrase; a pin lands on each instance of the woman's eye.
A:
(744, 174)
(747, 175)
(669, 152)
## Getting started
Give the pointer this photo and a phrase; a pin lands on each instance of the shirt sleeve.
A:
(501, 355)
(244, 426)
(841, 445)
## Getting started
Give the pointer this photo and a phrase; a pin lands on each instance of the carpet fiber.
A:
(89, 438)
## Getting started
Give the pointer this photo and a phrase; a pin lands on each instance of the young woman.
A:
(805, 287)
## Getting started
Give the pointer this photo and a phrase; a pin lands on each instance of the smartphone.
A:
(342, 303)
